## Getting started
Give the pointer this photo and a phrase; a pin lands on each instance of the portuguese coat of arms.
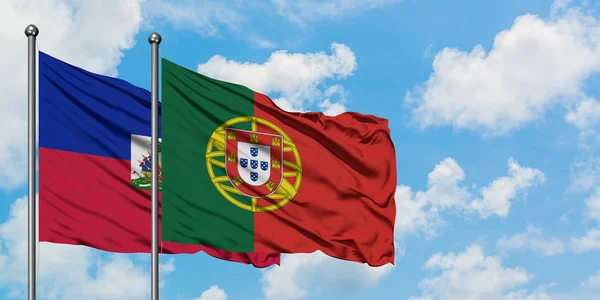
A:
(254, 161)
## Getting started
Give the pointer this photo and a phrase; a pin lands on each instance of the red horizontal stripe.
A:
(87, 200)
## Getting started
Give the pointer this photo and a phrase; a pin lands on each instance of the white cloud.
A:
(589, 242)
(296, 77)
(331, 109)
(301, 11)
(593, 282)
(472, 275)
(532, 66)
(203, 16)
(585, 116)
(443, 184)
(213, 293)
(331, 106)
(168, 266)
(75, 31)
(532, 239)
(585, 174)
(420, 211)
(496, 197)
(286, 105)
(415, 214)
(300, 273)
(593, 206)
(66, 271)
(559, 6)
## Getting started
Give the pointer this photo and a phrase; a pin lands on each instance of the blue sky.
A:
(493, 111)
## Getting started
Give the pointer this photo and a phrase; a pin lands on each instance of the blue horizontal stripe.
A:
(87, 113)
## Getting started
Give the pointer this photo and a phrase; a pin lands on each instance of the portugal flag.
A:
(241, 174)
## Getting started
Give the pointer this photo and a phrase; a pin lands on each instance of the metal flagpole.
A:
(154, 40)
(31, 32)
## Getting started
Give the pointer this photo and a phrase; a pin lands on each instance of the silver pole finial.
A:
(154, 38)
(31, 30)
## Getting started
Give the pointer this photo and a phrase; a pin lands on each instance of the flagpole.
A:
(31, 32)
(154, 39)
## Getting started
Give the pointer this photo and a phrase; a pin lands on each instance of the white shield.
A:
(253, 163)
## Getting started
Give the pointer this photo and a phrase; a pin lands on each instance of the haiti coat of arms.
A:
(141, 162)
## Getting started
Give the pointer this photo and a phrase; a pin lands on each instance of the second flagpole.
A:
(31, 32)
(154, 39)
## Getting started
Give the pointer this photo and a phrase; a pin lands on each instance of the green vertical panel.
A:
(193, 210)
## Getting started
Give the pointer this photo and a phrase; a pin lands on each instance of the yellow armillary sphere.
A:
(253, 164)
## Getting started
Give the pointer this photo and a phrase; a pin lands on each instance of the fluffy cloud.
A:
(75, 31)
(496, 196)
(472, 275)
(69, 272)
(584, 177)
(532, 239)
(585, 116)
(300, 11)
(532, 66)
(296, 77)
(213, 293)
(589, 242)
(420, 211)
(300, 273)
(415, 214)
